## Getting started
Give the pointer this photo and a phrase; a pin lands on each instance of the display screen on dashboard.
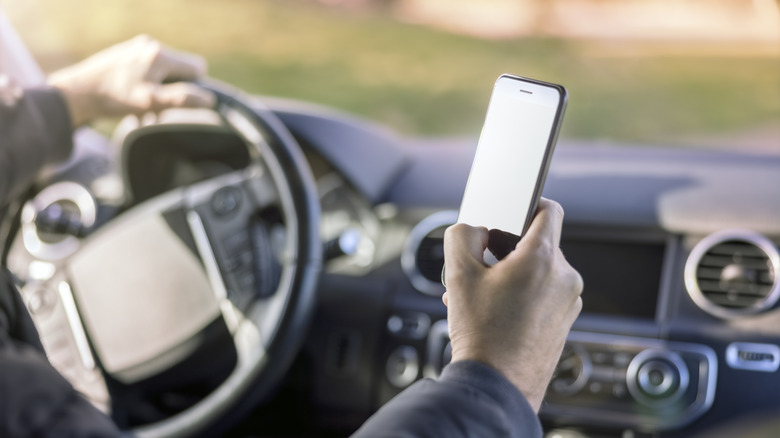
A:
(621, 278)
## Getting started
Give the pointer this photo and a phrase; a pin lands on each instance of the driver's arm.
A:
(35, 130)
(36, 127)
(36, 124)
(508, 324)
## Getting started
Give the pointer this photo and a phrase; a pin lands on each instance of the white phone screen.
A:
(511, 155)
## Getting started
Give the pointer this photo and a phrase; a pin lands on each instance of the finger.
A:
(444, 299)
(172, 65)
(464, 246)
(547, 223)
(464, 240)
(181, 95)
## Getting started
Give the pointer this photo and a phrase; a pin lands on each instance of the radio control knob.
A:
(657, 377)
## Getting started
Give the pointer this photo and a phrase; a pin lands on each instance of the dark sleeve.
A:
(35, 400)
(469, 399)
(35, 130)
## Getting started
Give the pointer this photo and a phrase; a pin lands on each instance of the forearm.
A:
(35, 130)
(469, 399)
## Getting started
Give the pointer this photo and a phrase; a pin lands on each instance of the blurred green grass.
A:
(418, 80)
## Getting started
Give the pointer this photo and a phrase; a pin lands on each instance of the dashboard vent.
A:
(430, 255)
(734, 273)
(423, 256)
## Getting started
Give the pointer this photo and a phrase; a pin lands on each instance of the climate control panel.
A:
(645, 384)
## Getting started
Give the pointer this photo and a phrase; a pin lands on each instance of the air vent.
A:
(734, 273)
(423, 256)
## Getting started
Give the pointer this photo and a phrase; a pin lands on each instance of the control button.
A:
(412, 325)
(41, 301)
(347, 243)
(226, 200)
(600, 357)
(619, 390)
(622, 360)
(753, 357)
(573, 371)
(657, 377)
(395, 324)
(239, 241)
(403, 366)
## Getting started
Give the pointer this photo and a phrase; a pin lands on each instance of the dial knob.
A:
(657, 377)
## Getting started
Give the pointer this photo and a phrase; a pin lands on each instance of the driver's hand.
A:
(128, 79)
(515, 315)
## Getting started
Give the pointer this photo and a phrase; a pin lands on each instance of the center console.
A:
(617, 381)
(639, 383)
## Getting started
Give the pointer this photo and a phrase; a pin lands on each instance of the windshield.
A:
(680, 73)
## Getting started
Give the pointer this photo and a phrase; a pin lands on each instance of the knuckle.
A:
(144, 40)
(556, 208)
(577, 283)
(545, 251)
(456, 229)
(577, 307)
(148, 45)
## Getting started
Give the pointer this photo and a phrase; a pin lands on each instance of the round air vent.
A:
(423, 256)
(733, 273)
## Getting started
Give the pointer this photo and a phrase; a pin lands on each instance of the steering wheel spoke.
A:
(238, 227)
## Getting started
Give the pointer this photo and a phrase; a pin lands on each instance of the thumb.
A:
(180, 94)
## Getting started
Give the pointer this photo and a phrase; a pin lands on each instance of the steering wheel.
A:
(240, 251)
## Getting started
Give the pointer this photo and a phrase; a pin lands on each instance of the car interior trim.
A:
(753, 356)
(654, 416)
(409, 254)
(710, 241)
(76, 327)
(66, 191)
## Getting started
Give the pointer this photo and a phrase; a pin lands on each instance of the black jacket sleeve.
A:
(35, 400)
(35, 130)
(469, 399)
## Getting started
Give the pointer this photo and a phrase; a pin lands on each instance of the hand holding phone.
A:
(510, 166)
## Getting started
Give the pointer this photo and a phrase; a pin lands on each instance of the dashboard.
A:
(680, 329)
(677, 248)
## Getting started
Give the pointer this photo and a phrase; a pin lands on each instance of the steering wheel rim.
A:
(267, 331)
(270, 141)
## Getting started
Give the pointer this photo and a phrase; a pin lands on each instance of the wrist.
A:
(76, 99)
(531, 383)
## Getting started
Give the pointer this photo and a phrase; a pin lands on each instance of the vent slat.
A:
(731, 248)
(430, 258)
(722, 262)
(744, 288)
(714, 274)
(739, 302)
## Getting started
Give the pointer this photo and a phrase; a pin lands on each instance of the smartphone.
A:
(512, 157)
